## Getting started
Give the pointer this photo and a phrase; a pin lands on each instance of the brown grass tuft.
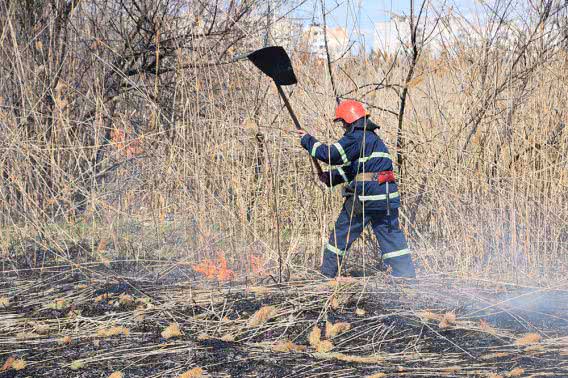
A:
(228, 338)
(125, 299)
(492, 356)
(65, 340)
(113, 331)
(334, 303)
(19, 364)
(324, 346)
(376, 375)
(371, 359)
(448, 319)
(361, 312)
(287, 346)
(530, 338)
(429, 315)
(315, 337)
(58, 304)
(173, 330)
(4, 301)
(333, 330)
(360, 359)
(196, 372)
(102, 297)
(116, 374)
(321, 346)
(262, 316)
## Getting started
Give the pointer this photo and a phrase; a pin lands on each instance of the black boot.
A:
(331, 263)
(402, 266)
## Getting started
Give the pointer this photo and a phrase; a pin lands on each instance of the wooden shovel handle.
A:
(296, 123)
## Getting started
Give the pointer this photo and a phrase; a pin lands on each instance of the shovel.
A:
(275, 63)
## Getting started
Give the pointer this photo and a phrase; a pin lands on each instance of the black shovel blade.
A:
(274, 62)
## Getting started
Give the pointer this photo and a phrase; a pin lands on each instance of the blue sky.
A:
(359, 16)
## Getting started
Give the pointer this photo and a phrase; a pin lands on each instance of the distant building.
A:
(337, 41)
(391, 36)
(450, 34)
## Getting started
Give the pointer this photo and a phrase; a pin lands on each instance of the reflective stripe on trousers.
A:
(392, 243)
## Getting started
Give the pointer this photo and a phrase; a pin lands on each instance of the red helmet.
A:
(350, 111)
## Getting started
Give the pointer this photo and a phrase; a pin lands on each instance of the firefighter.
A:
(364, 163)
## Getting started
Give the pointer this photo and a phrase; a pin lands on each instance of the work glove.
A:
(301, 133)
(325, 178)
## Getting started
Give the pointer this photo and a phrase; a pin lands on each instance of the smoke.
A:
(543, 310)
(539, 301)
(519, 309)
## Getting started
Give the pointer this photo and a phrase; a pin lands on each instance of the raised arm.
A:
(340, 153)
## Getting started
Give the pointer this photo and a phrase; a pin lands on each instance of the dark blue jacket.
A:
(359, 150)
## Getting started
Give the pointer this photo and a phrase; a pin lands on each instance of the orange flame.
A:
(257, 264)
(129, 149)
(215, 269)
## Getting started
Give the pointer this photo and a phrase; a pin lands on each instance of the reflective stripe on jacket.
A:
(359, 150)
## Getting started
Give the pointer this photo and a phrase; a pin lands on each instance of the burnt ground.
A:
(54, 320)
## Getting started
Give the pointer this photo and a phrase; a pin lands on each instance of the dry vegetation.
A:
(137, 147)
(126, 128)
(183, 330)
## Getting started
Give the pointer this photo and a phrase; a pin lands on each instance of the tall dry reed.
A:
(128, 128)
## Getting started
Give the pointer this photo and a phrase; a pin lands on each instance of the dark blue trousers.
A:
(392, 242)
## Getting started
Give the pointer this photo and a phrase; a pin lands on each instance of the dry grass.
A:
(228, 338)
(324, 346)
(333, 330)
(287, 346)
(18, 364)
(448, 319)
(172, 330)
(315, 337)
(376, 375)
(516, 372)
(531, 338)
(196, 372)
(65, 340)
(351, 358)
(429, 315)
(263, 315)
(492, 356)
(210, 161)
(136, 142)
(422, 348)
(113, 331)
